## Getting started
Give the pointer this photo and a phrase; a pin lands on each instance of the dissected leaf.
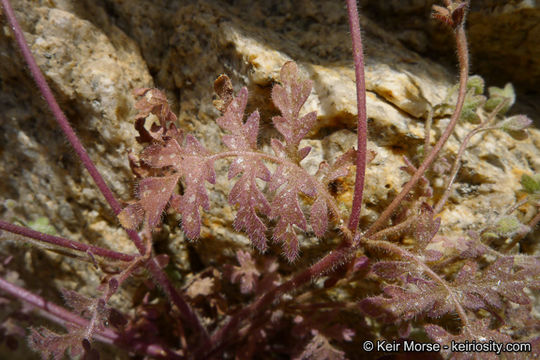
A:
(195, 168)
(52, 345)
(289, 99)
(245, 193)
(246, 274)
(494, 286)
(390, 269)
(320, 348)
(478, 331)
(426, 227)
(319, 216)
(286, 208)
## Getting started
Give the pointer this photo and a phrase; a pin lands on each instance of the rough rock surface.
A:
(503, 35)
(95, 53)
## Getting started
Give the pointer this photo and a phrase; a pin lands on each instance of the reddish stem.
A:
(358, 55)
(65, 243)
(463, 56)
(187, 313)
(340, 255)
(64, 317)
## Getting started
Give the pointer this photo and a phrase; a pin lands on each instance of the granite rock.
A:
(95, 53)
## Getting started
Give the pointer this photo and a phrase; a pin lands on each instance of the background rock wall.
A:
(94, 53)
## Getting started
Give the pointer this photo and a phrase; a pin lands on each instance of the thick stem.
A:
(463, 56)
(361, 155)
(187, 313)
(65, 243)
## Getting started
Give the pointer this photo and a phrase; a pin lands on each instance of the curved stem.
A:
(457, 162)
(187, 313)
(65, 243)
(63, 317)
(358, 55)
(463, 56)
(324, 265)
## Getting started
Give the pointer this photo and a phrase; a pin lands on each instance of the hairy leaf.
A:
(245, 193)
(478, 331)
(286, 208)
(289, 99)
(494, 286)
(320, 348)
(246, 274)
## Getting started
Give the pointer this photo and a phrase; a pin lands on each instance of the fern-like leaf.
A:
(289, 99)
(245, 193)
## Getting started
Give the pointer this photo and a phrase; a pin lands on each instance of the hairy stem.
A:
(361, 155)
(463, 56)
(407, 255)
(187, 313)
(65, 243)
(63, 317)
(324, 265)
(457, 162)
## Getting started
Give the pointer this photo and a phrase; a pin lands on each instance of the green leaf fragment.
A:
(531, 184)
(498, 95)
(516, 123)
(43, 225)
(476, 83)
(509, 225)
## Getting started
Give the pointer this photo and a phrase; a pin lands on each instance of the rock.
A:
(503, 36)
(95, 56)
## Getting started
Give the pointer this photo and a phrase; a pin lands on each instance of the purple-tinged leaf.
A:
(246, 274)
(52, 345)
(432, 255)
(390, 269)
(154, 194)
(466, 273)
(243, 135)
(158, 155)
(319, 216)
(81, 304)
(494, 286)
(286, 207)
(285, 234)
(408, 302)
(342, 164)
(245, 193)
(478, 331)
(320, 348)
(279, 148)
(249, 199)
(426, 227)
(195, 168)
(303, 152)
(289, 99)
